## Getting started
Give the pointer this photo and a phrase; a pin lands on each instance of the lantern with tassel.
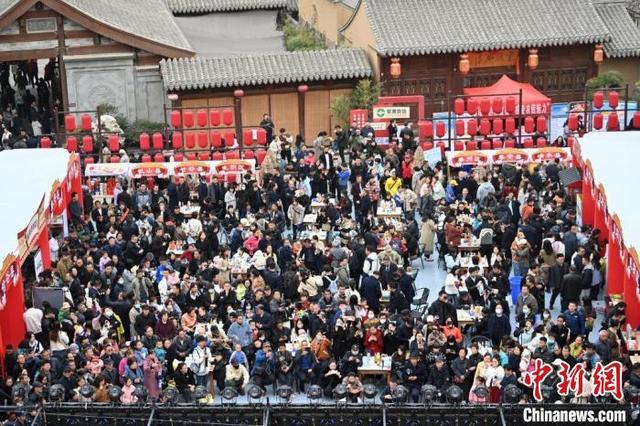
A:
(396, 69)
(533, 59)
(464, 65)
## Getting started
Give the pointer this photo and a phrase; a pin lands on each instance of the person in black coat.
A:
(370, 291)
(397, 300)
(498, 325)
(405, 284)
(570, 288)
(556, 274)
(185, 381)
(415, 373)
(439, 375)
(442, 309)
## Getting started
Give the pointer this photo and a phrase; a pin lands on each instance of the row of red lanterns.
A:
(470, 127)
(70, 123)
(598, 99)
(473, 145)
(201, 118)
(613, 121)
(485, 105)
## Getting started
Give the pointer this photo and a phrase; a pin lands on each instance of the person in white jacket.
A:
(201, 362)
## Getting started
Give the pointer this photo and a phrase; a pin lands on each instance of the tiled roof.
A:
(134, 17)
(180, 7)
(273, 68)
(418, 27)
(625, 34)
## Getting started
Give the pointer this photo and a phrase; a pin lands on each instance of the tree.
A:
(607, 80)
(363, 96)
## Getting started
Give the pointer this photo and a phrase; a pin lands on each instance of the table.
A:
(370, 368)
(322, 235)
(469, 245)
(395, 213)
(315, 206)
(310, 219)
(465, 262)
(189, 210)
(464, 318)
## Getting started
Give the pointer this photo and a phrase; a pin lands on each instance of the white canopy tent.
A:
(26, 175)
(614, 158)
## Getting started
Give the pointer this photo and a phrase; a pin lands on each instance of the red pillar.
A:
(615, 265)
(631, 292)
(600, 215)
(45, 249)
(588, 202)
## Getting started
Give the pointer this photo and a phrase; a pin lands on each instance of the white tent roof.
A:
(614, 160)
(26, 175)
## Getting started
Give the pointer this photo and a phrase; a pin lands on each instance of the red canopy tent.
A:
(533, 101)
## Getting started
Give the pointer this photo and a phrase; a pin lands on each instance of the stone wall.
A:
(137, 92)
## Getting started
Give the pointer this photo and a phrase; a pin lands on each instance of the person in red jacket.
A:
(373, 340)
(407, 169)
(451, 330)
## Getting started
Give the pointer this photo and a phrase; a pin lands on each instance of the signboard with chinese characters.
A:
(32, 230)
(469, 158)
(391, 112)
(549, 154)
(494, 58)
(358, 117)
(9, 278)
(149, 169)
(191, 168)
(508, 155)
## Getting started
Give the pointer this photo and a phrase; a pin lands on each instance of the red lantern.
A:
(176, 120)
(89, 160)
(510, 125)
(232, 155)
(87, 144)
(178, 157)
(440, 129)
(227, 117)
(72, 144)
(158, 158)
(204, 156)
(114, 143)
(426, 146)
(144, 142)
(459, 128)
(188, 119)
(597, 121)
(249, 155)
(260, 154)
(458, 146)
(216, 140)
(203, 139)
(498, 128)
(485, 127)
(614, 97)
(510, 143)
(636, 120)
(485, 106)
(217, 156)
(497, 144)
(191, 156)
(458, 106)
(229, 138)
(497, 105)
(115, 159)
(214, 118)
(541, 124)
(510, 104)
(570, 141)
(472, 145)
(247, 136)
(472, 106)
(201, 118)
(157, 141)
(598, 100)
(425, 129)
(262, 136)
(395, 70)
(541, 143)
(45, 142)
(613, 123)
(485, 145)
(472, 127)
(528, 143)
(176, 140)
(573, 122)
(190, 140)
(70, 123)
(85, 122)
(529, 124)
(146, 158)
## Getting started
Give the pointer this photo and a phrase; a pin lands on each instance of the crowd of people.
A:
(243, 290)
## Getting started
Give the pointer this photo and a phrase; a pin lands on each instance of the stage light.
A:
(454, 394)
(430, 394)
(255, 393)
(229, 394)
(171, 395)
(370, 391)
(340, 392)
(87, 390)
(284, 393)
(511, 394)
(114, 393)
(314, 393)
(56, 393)
(141, 393)
(481, 391)
(400, 395)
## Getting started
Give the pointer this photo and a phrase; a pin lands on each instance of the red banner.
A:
(10, 278)
(149, 169)
(548, 154)
(57, 202)
(464, 158)
(510, 155)
(192, 168)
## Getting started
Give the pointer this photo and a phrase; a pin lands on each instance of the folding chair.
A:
(422, 299)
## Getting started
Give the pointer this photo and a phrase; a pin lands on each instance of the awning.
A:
(533, 101)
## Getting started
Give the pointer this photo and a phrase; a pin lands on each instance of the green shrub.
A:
(298, 38)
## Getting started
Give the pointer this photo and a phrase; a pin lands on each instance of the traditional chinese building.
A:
(439, 47)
